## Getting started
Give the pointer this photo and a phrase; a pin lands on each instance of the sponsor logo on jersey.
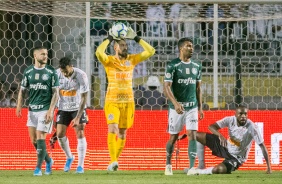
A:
(45, 77)
(194, 71)
(180, 70)
(168, 75)
(187, 70)
(34, 107)
(38, 86)
(36, 76)
(123, 75)
(190, 80)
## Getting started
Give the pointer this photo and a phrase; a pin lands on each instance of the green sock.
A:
(192, 152)
(47, 157)
(41, 152)
(169, 151)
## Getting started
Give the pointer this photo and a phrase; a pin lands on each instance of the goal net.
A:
(238, 45)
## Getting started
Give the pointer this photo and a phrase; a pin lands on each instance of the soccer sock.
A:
(112, 146)
(192, 152)
(120, 146)
(41, 152)
(169, 151)
(81, 151)
(47, 157)
(201, 155)
(206, 171)
(65, 145)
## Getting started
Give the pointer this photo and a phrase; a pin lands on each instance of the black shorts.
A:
(213, 142)
(65, 117)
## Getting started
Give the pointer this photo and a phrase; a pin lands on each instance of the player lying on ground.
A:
(242, 132)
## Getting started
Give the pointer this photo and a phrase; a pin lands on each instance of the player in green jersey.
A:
(182, 86)
(41, 82)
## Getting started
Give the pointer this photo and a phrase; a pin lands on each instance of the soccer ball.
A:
(119, 30)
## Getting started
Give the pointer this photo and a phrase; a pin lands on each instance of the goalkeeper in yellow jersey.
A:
(119, 103)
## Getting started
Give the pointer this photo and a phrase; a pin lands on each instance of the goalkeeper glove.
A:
(132, 35)
(111, 36)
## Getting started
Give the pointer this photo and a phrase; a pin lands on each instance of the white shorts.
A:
(37, 120)
(176, 121)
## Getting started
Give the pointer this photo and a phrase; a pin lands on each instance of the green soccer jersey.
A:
(39, 82)
(184, 76)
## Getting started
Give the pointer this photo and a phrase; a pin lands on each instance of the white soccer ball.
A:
(119, 30)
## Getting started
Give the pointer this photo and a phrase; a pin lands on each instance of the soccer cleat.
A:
(37, 172)
(49, 165)
(79, 170)
(68, 164)
(186, 170)
(113, 166)
(168, 170)
(193, 171)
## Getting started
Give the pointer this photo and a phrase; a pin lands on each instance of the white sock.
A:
(81, 151)
(64, 144)
(206, 171)
(201, 155)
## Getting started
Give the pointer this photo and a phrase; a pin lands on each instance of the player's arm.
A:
(100, 52)
(55, 97)
(168, 93)
(148, 49)
(266, 157)
(21, 96)
(82, 104)
(214, 128)
(199, 98)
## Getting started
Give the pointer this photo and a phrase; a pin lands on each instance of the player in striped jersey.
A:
(119, 103)
(73, 91)
(41, 81)
(242, 132)
(183, 89)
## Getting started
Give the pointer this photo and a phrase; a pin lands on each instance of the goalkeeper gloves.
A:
(111, 36)
(132, 35)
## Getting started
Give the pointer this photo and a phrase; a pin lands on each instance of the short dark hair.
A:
(182, 40)
(38, 48)
(241, 106)
(65, 61)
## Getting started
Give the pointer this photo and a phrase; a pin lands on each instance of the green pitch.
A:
(138, 177)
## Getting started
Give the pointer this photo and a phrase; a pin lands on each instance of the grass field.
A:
(138, 177)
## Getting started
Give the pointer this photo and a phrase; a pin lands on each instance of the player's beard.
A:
(42, 62)
(123, 54)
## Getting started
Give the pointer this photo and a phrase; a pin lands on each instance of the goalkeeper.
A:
(119, 103)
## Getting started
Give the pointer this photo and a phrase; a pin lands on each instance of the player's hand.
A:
(179, 108)
(223, 141)
(19, 112)
(201, 113)
(130, 34)
(48, 117)
(112, 35)
(74, 122)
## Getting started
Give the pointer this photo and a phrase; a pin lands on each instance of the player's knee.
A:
(219, 169)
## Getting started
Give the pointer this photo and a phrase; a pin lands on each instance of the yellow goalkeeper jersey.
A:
(120, 72)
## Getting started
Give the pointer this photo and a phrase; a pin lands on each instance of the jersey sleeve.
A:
(148, 52)
(224, 122)
(84, 84)
(100, 52)
(199, 76)
(169, 72)
(257, 135)
(55, 79)
(25, 81)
